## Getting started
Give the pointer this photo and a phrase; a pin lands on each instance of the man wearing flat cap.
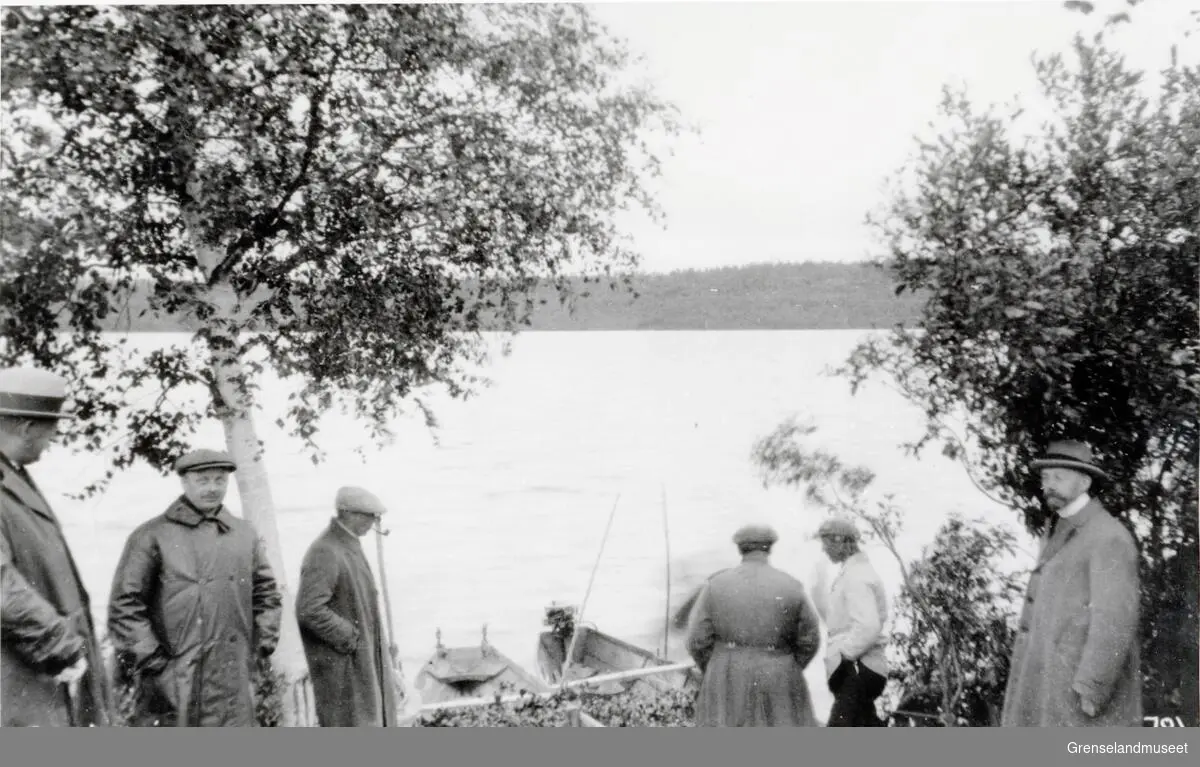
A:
(341, 626)
(1076, 660)
(752, 632)
(194, 604)
(51, 672)
(855, 613)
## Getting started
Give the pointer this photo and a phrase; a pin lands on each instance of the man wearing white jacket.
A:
(855, 612)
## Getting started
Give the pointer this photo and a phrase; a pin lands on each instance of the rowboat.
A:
(456, 673)
(599, 654)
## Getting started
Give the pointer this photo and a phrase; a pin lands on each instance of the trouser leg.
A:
(855, 688)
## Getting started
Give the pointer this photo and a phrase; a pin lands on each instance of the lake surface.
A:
(506, 511)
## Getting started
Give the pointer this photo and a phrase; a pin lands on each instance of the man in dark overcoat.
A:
(1076, 660)
(51, 671)
(752, 632)
(194, 604)
(337, 608)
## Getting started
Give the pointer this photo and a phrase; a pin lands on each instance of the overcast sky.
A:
(804, 108)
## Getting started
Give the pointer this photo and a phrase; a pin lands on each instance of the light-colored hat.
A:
(1069, 454)
(359, 500)
(32, 393)
(755, 535)
(839, 526)
(199, 460)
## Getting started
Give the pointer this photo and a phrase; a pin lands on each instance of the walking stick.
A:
(387, 606)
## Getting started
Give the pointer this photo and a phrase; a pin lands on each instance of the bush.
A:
(674, 708)
(268, 696)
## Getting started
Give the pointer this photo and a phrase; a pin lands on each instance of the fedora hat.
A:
(32, 393)
(1070, 454)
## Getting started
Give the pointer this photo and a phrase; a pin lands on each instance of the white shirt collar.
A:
(1074, 507)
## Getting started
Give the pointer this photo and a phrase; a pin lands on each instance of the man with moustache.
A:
(1076, 660)
(193, 604)
(855, 614)
(752, 632)
(337, 608)
(51, 674)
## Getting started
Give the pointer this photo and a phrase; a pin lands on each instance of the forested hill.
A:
(809, 296)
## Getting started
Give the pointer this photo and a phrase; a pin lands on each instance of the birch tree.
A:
(346, 195)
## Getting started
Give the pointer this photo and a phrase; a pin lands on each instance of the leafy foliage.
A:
(944, 642)
(1060, 274)
(372, 185)
(674, 708)
(960, 574)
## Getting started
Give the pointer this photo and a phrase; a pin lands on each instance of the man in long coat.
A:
(855, 613)
(337, 608)
(1076, 661)
(752, 633)
(51, 672)
(193, 602)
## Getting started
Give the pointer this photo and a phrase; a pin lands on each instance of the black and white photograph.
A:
(613, 365)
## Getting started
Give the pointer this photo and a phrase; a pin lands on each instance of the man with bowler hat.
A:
(1076, 661)
(51, 673)
(194, 604)
(337, 608)
(752, 632)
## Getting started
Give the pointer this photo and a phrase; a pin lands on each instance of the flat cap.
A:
(359, 500)
(838, 526)
(759, 535)
(33, 393)
(199, 460)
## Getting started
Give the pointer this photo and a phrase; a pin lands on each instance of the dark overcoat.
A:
(752, 632)
(1078, 632)
(47, 619)
(193, 601)
(337, 608)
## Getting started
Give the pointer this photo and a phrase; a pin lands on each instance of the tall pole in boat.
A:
(667, 541)
(586, 594)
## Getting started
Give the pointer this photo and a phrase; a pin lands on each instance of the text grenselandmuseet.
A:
(1127, 748)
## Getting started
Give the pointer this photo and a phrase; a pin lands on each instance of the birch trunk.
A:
(235, 407)
(258, 507)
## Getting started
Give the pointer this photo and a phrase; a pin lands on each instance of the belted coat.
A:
(752, 632)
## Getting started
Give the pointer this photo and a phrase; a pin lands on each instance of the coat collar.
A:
(1068, 527)
(339, 531)
(183, 512)
(15, 482)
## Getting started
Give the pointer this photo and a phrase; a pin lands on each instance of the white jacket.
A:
(855, 614)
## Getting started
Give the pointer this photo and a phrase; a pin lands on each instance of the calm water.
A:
(506, 512)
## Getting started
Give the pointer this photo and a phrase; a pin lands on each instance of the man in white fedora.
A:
(855, 614)
(1076, 661)
(341, 627)
(51, 674)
